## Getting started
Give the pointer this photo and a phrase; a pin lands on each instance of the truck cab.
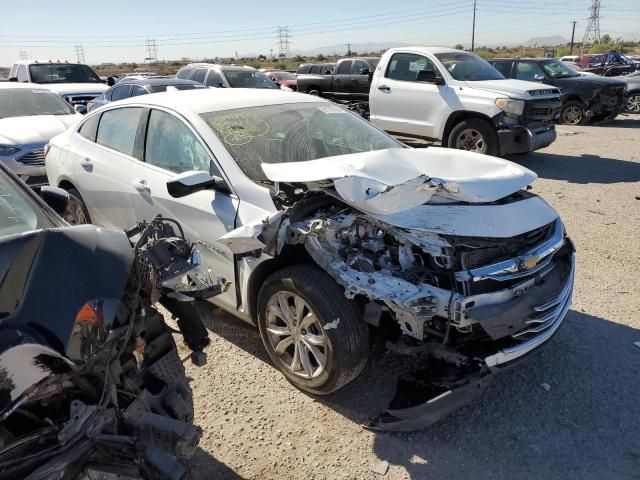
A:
(78, 84)
(351, 80)
(459, 99)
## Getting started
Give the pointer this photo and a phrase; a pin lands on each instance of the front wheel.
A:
(573, 113)
(633, 103)
(474, 135)
(312, 333)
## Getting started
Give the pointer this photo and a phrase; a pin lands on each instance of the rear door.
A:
(401, 104)
(103, 166)
(360, 79)
(342, 79)
(171, 147)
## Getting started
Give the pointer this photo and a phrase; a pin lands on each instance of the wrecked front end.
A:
(469, 281)
(606, 102)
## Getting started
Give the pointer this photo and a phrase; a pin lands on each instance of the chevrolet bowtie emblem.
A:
(528, 263)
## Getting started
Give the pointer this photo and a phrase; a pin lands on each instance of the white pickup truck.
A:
(459, 99)
(78, 84)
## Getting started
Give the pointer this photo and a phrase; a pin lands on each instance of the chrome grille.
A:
(33, 157)
(542, 110)
(79, 99)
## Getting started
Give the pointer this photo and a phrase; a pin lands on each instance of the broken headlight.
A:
(510, 106)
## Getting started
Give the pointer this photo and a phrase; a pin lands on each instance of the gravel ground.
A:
(587, 425)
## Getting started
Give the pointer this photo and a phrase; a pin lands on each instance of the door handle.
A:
(86, 164)
(141, 186)
(384, 88)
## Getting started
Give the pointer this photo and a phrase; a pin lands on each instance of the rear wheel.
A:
(76, 212)
(474, 135)
(312, 333)
(314, 91)
(573, 113)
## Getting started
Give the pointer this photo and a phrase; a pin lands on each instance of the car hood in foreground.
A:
(34, 129)
(386, 182)
(513, 88)
(76, 88)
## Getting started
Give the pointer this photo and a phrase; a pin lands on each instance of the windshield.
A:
(558, 69)
(62, 73)
(294, 132)
(19, 102)
(468, 67)
(248, 79)
(284, 75)
(186, 86)
(18, 212)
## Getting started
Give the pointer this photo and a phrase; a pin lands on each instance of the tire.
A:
(573, 113)
(633, 103)
(337, 324)
(76, 212)
(314, 91)
(475, 135)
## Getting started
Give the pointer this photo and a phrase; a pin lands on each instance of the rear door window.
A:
(184, 73)
(90, 127)
(315, 69)
(117, 129)
(344, 68)
(503, 67)
(214, 79)
(199, 75)
(120, 92)
(358, 66)
(137, 90)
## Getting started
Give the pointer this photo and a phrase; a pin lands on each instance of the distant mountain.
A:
(545, 41)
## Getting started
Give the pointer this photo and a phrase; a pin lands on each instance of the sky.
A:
(118, 30)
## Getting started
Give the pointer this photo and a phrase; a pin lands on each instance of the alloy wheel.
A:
(74, 214)
(472, 140)
(572, 115)
(296, 335)
(633, 103)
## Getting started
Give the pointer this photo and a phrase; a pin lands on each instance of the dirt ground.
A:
(586, 426)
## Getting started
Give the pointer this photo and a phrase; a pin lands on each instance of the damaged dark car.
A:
(91, 384)
(585, 98)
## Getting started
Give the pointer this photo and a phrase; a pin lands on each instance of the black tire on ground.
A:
(346, 335)
(314, 91)
(573, 113)
(76, 209)
(476, 135)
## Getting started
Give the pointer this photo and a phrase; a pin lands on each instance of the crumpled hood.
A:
(386, 182)
(34, 129)
(512, 88)
(74, 88)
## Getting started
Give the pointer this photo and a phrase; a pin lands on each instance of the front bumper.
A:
(524, 139)
(28, 164)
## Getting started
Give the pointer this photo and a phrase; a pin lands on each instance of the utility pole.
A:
(592, 33)
(283, 42)
(271, 54)
(348, 49)
(79, 49)
(152, 50)
(473, 29)
(573, 32)
(24, 55)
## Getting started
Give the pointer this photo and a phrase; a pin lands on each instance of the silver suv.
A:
(229, 76)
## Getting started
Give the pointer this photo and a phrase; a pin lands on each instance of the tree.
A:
(298, 58)
(262, 57)
(606, 38)
(459, 46)
(321, 57)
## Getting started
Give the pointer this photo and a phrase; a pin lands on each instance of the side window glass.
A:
(214, 79)
(344, 68)
(173, 146)
(14, 70)
(90, 127)
(358, 66)
(504, 68)
(184, 73)
(22, 73)
(117, 129)
(137, 90)
(405, 66)
(120, 92)
(528, 71)
(199, 75)
(315, 69)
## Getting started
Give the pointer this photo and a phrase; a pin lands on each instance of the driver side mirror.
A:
(111, 81)
(365, 71)
(538, 77)
(429, 76)
(190, 182)
(56, 198)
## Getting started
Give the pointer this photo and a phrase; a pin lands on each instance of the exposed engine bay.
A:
(91, 382)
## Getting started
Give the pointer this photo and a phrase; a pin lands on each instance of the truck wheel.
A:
(314, 91)
(76, 212)
(633, 103)
(474, 135)
(573, 113)
(312, 333)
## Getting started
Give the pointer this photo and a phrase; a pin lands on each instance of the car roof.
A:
(423, 49)
(157, 81)
(18, 85)
(216, 99)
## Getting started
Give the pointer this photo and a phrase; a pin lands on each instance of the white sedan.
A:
(325, 226)
(30, 115)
